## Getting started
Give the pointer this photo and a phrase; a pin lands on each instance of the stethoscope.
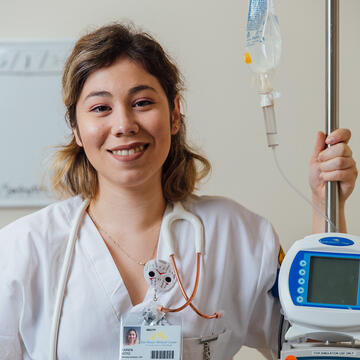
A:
(178, 213)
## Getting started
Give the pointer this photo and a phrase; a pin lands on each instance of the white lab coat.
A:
(238, 270)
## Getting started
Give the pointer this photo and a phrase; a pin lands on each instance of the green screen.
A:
(333, 280)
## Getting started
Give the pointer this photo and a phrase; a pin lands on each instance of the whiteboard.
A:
(32, 117)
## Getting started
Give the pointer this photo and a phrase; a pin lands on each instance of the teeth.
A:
(129, 152)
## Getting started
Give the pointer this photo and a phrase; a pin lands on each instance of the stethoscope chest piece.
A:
(160, 275)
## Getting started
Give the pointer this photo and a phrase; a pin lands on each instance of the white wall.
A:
(206, 37)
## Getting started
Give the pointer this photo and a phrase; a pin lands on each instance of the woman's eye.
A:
(142, 103)
(100, 108)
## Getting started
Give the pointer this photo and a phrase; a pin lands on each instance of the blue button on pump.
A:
(299, 299)
(302, 263)
(336, 241)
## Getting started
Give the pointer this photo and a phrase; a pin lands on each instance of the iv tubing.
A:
(300, 193)
(272, 140)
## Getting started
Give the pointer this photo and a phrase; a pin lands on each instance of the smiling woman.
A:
(125, 128)
(76, 269)
(89, 64)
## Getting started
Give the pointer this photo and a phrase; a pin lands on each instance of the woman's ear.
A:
(77, 136)
(176, 116)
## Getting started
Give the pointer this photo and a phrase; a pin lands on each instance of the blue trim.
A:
(300, 269)
(275, 288)
(336, 241)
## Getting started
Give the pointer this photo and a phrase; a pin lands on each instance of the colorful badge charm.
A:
(160, 275)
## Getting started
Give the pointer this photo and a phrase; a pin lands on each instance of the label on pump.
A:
(339, 352)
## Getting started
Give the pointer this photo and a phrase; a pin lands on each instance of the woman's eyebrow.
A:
(138, 88)
(132, 91)
(98, 93)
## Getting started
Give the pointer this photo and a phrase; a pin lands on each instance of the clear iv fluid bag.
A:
(263, 40)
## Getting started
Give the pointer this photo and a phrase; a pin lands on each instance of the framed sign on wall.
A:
(32, 118)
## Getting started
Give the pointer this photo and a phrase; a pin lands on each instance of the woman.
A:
(129, 157)
(132, 337)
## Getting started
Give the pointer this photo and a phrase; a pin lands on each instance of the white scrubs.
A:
(238, 271)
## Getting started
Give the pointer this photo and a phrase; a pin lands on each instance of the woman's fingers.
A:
(337, 136)
(337, 150)
(344, 176)
(319, 144)
(338, 163)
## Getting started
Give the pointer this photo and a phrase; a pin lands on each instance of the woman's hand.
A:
(334, 163)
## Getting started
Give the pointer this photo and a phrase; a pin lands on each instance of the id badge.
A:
(146, 334)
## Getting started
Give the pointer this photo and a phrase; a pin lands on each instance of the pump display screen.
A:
(333, 280)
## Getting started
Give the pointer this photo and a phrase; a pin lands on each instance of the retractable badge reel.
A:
(160, 276)
(145, 331)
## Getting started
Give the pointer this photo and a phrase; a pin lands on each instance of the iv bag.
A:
(263, 40)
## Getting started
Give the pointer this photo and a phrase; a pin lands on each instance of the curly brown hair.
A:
(71, 172)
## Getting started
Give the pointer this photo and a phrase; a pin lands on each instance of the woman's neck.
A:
(129, 209)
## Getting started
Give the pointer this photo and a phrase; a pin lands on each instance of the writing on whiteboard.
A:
(38, 60)
(9, 191)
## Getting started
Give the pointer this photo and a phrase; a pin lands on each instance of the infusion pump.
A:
(319, 288)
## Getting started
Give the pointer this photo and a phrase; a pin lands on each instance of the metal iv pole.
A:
(332, 100)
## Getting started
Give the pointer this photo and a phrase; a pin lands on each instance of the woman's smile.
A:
(129, 152)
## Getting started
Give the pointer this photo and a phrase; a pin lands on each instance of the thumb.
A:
(319, 144)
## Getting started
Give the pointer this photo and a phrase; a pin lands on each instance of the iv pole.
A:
(332, 100)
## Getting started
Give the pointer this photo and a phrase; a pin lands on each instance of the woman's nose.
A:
(124, 124)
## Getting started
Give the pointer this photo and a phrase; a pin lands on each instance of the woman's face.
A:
(123, 121)
(131, 337)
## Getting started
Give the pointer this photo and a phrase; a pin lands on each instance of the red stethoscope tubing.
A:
(189, 299)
